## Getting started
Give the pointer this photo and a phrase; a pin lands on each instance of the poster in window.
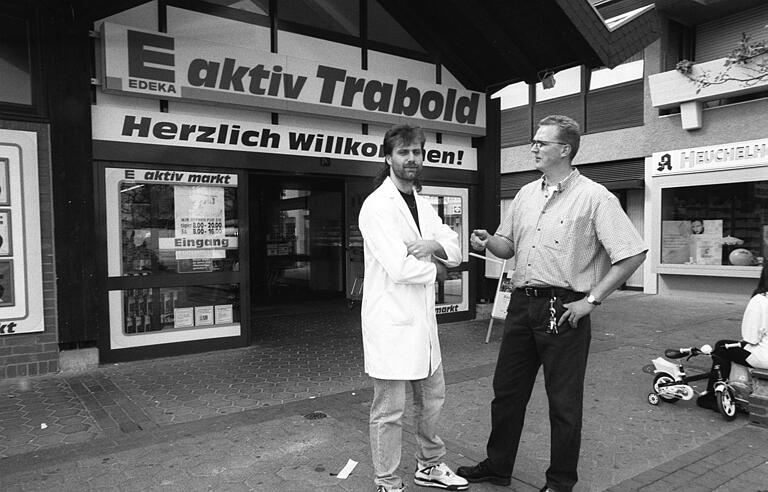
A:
(5, 233)
(223, 314)
(692, 241)
(203, 315)
(183, 317)
(199, 211)
(6, 283)
(5, 193)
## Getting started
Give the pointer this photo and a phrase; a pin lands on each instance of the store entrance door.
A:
(297, 240)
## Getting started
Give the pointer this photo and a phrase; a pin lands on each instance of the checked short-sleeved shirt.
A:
(568, 237)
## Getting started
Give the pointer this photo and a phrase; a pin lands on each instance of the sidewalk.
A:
(288, 412)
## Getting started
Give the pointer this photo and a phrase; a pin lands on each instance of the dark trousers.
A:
(525, 347)
(727, 355)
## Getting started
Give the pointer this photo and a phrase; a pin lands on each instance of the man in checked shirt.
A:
(573, 245)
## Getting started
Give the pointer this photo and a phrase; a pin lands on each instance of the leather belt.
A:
(547, 291)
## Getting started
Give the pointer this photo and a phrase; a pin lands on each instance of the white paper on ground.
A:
(344, 473)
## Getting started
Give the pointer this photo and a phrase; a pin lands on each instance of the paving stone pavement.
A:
(286, 413)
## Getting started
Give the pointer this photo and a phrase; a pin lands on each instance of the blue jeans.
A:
(386, 427)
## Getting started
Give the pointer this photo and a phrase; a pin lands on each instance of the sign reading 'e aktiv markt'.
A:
(160, 65)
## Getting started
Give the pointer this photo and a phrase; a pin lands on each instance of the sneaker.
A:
(482, 472)
(382, 488)
(439, 476)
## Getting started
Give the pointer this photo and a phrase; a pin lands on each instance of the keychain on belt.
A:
(552, 320)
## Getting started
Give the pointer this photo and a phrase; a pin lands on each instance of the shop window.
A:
(177, 229)
(184, 307)
(15, 61)
(723, 224)
(173, 258)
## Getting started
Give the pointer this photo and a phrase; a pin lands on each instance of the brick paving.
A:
(240, 419)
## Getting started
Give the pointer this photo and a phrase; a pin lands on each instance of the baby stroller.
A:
(671, 383)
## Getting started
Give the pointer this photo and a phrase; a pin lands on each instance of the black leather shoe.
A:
(482, 472)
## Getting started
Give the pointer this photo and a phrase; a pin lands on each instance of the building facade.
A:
(171, 170)
(678, 158)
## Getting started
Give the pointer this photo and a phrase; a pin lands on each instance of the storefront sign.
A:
(196, 131)
(710, 158)
(164, 66)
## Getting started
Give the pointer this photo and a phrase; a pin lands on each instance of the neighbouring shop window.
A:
(15, 61)
(723, 224)
(178, 228)
(185, 307)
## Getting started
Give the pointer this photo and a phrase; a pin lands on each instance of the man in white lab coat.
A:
(407, 250)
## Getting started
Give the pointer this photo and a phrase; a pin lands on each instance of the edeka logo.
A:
(146, 59)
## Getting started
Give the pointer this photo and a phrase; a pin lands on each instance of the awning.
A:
(488, 43)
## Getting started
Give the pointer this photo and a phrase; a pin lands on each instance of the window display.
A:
(173, 258)
(723, 224)
(158, 309)
(177, 229)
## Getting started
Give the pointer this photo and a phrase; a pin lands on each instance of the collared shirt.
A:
(568, 237)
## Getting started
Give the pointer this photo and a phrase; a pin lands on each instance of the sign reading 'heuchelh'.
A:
(164, 66)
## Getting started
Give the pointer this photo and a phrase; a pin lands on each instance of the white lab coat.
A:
(398, 309)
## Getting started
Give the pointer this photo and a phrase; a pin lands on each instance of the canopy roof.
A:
(487, 43)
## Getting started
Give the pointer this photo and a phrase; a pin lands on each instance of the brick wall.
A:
(37, 353)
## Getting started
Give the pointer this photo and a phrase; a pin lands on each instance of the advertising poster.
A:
(503, 294)
(183, 317)
(6, 283)
(5, 195)
(199, 215)
(223, 313)
(203, 315)
(692, 241)
(5, 233)
(199, 210)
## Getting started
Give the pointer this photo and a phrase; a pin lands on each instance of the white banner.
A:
(146, 127)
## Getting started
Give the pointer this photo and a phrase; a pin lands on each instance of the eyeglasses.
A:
(544, 143)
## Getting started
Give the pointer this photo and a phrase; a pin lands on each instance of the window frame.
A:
(36, 110)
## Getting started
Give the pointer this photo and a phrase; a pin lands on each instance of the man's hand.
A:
(423, 247)
(442, 271)
(479, 239)
(574, 311)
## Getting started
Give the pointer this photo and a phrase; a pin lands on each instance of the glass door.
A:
(452, 295)
(298, 246)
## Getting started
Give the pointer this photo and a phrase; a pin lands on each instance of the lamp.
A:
(548, 80)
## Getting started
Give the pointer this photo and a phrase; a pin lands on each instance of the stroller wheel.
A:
(653, 399)
(726, 404)
(660, 379)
